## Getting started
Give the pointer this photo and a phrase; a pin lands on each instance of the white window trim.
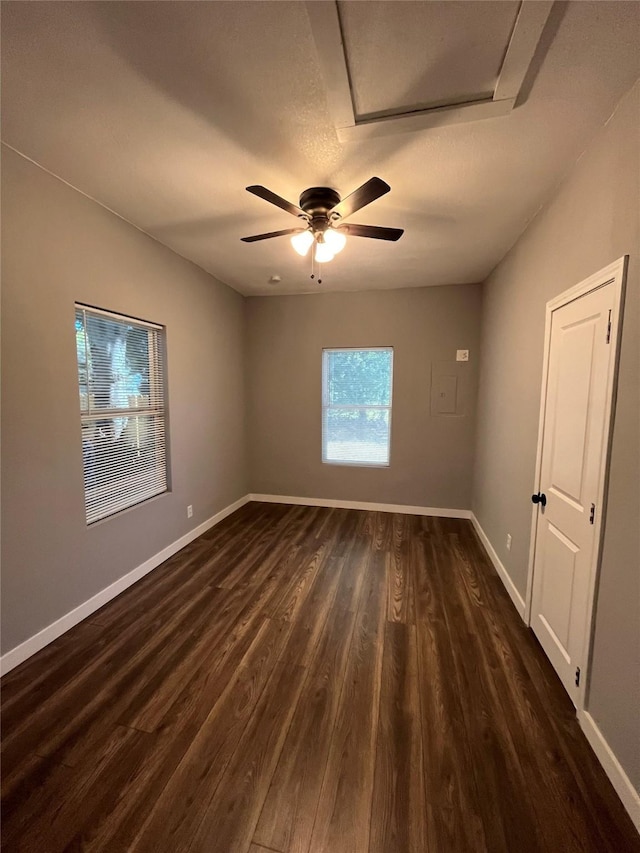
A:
(326, 406)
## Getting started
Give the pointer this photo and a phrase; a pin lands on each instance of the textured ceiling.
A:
(165, 111)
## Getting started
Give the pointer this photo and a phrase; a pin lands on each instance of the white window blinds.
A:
(122, 410)
(356, 405)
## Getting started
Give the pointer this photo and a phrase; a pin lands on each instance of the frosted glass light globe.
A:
(302, 242)
(335, 240)
(323, 253)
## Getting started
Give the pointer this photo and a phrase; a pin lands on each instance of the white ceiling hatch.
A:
(422, 65)
(165, 111)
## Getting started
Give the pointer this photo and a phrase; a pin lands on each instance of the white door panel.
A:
(557, 585)
(571, 399)
(573, 441)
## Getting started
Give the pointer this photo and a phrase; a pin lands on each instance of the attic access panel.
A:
(406, 56)
(399, 66)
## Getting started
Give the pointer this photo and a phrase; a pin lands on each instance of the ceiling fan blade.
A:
(368, 192)
(374, 231)
(267, 195)
(271, 234)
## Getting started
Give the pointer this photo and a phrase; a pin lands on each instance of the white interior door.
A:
(575, 426)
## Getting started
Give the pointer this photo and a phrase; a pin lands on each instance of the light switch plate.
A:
(462, 355)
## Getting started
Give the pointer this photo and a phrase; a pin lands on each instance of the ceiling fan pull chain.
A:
(312, 276)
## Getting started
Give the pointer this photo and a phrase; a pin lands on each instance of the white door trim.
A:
(614, 274)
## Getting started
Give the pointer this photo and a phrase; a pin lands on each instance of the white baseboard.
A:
(511, 588)
(330, 502)
(612, 767)
(47, 635)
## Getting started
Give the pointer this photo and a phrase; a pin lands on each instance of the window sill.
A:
(356, 464)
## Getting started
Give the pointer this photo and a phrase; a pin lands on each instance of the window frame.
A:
(326, 406)
(158, 398)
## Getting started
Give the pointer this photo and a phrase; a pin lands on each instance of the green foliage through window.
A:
(121, 387)
(356, 419)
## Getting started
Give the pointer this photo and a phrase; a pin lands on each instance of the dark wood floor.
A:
(304, 679)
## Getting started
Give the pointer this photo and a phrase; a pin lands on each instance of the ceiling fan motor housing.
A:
(319, 200)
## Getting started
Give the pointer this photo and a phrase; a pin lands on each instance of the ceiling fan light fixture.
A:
(302, 242)
(323, 252)
(335, 240)
(320, 216)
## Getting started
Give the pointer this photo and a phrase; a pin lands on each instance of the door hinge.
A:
(577, 676)
(592, 514)
(609, 328)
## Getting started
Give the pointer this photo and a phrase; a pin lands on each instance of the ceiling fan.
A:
(322, 211)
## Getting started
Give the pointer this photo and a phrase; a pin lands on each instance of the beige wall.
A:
(431, 457)
(59, 247)
(592, 220)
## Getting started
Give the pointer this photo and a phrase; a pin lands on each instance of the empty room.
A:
(320, 426)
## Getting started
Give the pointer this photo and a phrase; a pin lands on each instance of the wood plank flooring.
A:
(304, 680)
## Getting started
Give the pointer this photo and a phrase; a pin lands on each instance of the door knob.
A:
(540, 498)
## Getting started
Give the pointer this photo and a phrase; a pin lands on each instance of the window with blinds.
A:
(356, 406)
(122, 410)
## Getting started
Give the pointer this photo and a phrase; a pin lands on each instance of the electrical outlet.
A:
(189, 511)
(462, 355)
(508, 541)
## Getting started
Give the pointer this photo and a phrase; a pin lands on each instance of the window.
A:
(356, 405)
(122, 410)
